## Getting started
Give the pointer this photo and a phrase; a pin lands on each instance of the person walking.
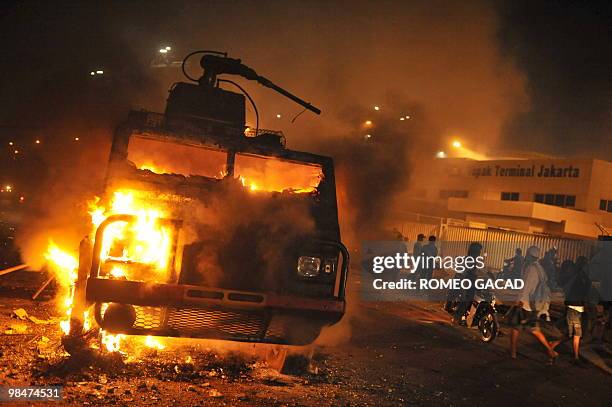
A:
(576, 287)
(533, 298)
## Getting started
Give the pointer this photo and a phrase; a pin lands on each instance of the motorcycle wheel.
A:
(488, 327)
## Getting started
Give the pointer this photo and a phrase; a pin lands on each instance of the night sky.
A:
(564, 49)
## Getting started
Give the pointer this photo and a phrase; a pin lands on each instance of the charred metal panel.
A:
(192, 102)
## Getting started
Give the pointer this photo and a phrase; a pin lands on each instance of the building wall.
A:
(474, 190)
(600, 187)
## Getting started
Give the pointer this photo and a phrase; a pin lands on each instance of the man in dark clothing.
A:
(549, 263)
(418, 245)
(464, 306)
(517, 263)
(576, 287)
(429, 250)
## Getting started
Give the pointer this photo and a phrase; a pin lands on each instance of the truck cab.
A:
(211, 229)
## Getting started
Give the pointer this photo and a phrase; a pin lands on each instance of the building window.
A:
(566, 201)
(445, 193)
(605, 205)
(509, 196)
(549, 199)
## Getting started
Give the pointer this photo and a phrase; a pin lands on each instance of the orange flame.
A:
(145, 241)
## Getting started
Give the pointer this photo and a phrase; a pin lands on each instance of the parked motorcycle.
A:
(485, 314)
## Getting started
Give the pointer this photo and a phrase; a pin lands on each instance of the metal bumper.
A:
(204, 312)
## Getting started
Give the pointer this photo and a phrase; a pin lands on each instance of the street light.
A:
(456, 144)
(376, 108)
(368, 122)
(441, 154)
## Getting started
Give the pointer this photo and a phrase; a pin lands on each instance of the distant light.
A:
(8, 188)
(441, 154)
(37, 141)
(368, 136)
(368, 122)
(168, 48)
(100, 72)
(21, 199)
(401, 118)
(456, 144)
(376, 108)
(407, 117)
(10, 143)
(92, 73)
(163, 51)
(76, 139)
(16, 151)
(278, 116)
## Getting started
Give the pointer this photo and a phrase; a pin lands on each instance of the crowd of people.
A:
(583, 311)
(542, 276)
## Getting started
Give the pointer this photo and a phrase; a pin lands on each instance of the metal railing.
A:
(454, 237)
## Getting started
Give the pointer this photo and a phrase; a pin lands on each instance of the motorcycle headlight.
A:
(308, 266)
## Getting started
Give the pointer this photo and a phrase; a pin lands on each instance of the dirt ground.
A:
(395, 354)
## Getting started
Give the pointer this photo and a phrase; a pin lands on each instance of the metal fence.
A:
(454, 237)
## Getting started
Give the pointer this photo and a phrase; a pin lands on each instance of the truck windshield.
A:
(163, 157)
(275, 175)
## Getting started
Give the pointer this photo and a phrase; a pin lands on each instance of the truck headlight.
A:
(308, 266)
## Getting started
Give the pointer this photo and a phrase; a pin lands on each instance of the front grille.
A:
(202, 322)
(148, 317)
(218, 323)
(277, 329)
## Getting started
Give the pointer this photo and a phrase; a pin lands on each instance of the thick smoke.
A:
(241, 240)
(373, 162)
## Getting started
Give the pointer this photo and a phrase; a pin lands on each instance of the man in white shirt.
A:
(532, 299)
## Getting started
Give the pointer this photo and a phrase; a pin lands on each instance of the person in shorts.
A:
(576, 294)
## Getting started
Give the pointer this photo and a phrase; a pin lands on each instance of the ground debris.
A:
(215, 393)
(22, 314)
(16, 329)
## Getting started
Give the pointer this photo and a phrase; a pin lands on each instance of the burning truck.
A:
(208, 228)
